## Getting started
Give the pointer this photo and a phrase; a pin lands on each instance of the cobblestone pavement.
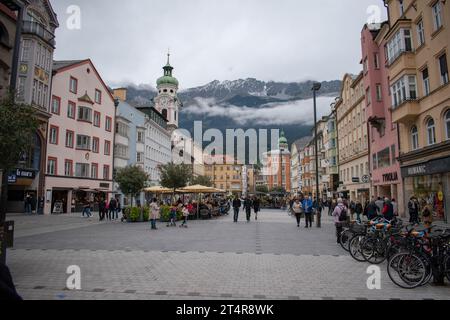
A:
(266, 259)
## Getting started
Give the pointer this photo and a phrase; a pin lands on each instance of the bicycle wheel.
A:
(344, 239)
(374, 250)
(447, 267)
(406, 270)
(355, 247)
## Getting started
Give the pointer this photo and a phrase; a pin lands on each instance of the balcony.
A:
(39, 30)
(406, 112)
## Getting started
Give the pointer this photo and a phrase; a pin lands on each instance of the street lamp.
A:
(316, 87)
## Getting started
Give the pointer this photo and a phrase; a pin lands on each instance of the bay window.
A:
(401, 42)
(403, 90)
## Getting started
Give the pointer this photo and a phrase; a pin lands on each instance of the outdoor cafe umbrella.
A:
(158, 189)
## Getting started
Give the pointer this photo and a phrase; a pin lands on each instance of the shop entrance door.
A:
(60, 197)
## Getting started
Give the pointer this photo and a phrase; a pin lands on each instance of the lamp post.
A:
(316, 87)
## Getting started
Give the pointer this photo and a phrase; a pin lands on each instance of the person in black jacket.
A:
(236, 207)
(358, 210)
(256, 207)
(7, 288)
(248, 207)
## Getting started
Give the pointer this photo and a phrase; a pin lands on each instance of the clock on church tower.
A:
(167, 102)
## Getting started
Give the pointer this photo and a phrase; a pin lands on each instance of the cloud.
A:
(283, 113)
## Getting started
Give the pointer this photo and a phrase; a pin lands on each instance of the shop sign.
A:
(431, 167)
(389, 177)
(355, 179)
(104, 185)
(27, 174)
(12, 178)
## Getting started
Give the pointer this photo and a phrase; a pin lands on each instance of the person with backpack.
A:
(372, 210)
(388, 210)
(340, 217)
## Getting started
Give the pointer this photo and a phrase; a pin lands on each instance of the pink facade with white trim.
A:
(80, 156)
(383, 134)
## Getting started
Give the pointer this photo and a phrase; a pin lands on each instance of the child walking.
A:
(185, 217)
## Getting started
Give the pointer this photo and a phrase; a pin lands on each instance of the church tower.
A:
(167, 102)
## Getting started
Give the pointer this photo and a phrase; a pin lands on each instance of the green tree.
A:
(175, 176)
(131, 180)
(18, 124)
(264, 189)
(202, 180)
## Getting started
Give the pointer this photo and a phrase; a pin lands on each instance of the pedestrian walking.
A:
(236, 207)
(112, 208)
(185, 212)
(395, 207)
(340, 217)
(27, 204)
(154, 213)
(173, 216)
(101, 209)
(256, 207)
(388, 210)
(248, 208)
(308, 208)
(427, 215)
(297, 209)
(380, 204)
(413, 208)
(358, 210)
(86, 209)
(372, 210)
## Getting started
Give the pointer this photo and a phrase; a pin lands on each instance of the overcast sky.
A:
(281, 40)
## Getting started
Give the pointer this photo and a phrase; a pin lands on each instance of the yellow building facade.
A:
(417, 60)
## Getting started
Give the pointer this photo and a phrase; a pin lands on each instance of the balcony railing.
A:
(38, 29)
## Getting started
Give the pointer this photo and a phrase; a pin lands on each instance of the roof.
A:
(63, 65)
(302, 143)
(58, 65)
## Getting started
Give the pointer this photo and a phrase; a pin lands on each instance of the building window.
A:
(431, 132)
(94, 171)
(376, 59)
(68, 168)
(71, 110)
(379, 93)
(426, 82)
(85, 114)
(122, 129)
(82, 170)
(106, 172)
(366, 65)
(69, 138)
(108, 124)
(140, 136)
(437, 18)
(404, 89)
(98, 96)
(53, 135)
(83, 142)
(107, 150)
(95, 145)
(374, 162)
(447, 124)
(420, 33)
(444, 68)
(401, 42)
(56, 105)
(139, 157)
(52, 166)
(73, 86)
(368, 97)
(97, 117)
(414, 138)
(393, 151)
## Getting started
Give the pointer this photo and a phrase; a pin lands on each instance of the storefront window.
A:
(384, 159)
(429, 190)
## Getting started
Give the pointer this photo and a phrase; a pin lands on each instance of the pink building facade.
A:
(386, 180)
(80, 138)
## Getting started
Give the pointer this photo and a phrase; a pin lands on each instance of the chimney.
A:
(120, 93)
